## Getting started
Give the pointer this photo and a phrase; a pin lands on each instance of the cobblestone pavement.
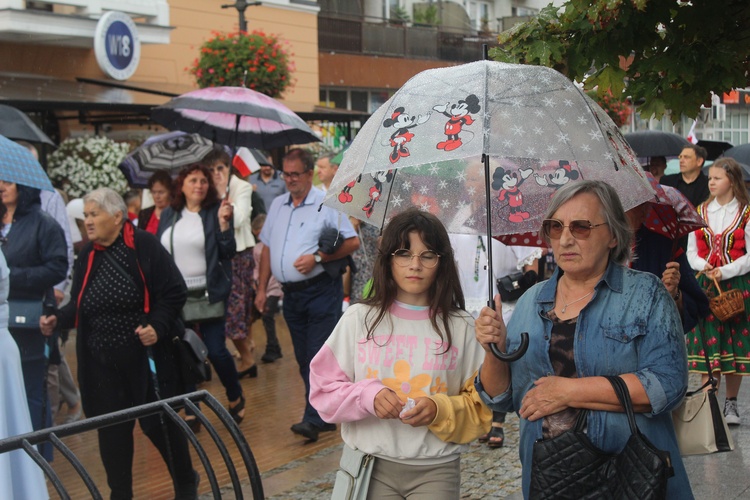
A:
(485, 472)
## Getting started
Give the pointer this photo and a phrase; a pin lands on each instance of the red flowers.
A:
(254, 59)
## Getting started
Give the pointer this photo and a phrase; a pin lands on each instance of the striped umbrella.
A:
(235, 116)
(169, 152)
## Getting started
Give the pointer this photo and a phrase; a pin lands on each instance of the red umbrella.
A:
(671, 214)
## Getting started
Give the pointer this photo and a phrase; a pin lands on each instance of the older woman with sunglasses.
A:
(593, 317)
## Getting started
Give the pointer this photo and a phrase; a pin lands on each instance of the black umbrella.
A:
(714, 148)
(739, 153)
(648, 143)
(15, 125)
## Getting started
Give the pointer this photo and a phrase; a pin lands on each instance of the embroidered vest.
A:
(722, 248)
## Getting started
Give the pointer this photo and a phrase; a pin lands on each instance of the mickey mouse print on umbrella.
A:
(483, 146)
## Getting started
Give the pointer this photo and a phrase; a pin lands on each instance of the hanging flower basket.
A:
(225, 59)
(82, 164)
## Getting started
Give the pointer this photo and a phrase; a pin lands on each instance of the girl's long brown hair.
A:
(178, 197)
(734, 173)
(445, 295)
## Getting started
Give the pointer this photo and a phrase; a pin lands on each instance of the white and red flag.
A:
(245, 162)
(691, 135)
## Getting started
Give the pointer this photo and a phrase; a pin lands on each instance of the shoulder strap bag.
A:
(197, 308)
(571, 467)
(353, 476)
(699, 422)
(192, 353)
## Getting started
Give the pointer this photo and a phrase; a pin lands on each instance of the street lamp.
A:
(241, 5)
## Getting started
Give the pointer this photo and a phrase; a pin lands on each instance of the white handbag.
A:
(353, 476)
(700, 426)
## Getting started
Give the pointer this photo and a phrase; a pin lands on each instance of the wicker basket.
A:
(727, 304)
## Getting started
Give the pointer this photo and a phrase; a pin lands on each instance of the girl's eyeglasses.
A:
(402, 257)
(580, 229)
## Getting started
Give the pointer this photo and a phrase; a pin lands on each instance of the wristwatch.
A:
(318, 258)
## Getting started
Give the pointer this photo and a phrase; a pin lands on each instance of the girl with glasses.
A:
(397, 370)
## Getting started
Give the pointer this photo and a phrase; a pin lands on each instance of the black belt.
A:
(296, 286)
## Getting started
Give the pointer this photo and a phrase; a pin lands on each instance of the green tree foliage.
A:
(675, 52)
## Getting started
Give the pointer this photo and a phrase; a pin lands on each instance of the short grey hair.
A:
(108, 200)
(612, 212)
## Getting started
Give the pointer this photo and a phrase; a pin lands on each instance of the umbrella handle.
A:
(515, 355)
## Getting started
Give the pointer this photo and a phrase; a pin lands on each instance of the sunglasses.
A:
(580, 229)
(428, 258)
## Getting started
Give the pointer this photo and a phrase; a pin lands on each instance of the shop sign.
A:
(117, 46)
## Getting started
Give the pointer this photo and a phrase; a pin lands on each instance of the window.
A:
(338, 98)
(359, 101)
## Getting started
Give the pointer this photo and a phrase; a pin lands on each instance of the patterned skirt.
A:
(239, 315)
(727, 343)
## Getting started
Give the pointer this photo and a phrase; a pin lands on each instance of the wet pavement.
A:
(496, 473)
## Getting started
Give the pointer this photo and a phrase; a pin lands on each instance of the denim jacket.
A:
(631, 325)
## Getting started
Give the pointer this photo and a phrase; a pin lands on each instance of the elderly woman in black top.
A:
(125, 301)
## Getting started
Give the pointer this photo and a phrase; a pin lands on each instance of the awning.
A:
(106, 101)
(306, 111)
(43, 93)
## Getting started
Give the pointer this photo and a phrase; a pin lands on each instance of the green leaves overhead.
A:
(664, 54)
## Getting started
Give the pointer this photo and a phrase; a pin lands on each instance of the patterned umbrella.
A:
(18, 165)
(671, 214)
(454, 141)
(236, 116)
(169, 152)
(483, 146)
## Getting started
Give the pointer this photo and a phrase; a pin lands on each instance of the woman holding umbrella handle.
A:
(593, 317)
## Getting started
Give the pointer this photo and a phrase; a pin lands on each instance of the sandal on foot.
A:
(496, 436)
(484, 438)
(235, 410)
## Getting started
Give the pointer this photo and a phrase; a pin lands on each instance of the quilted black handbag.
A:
(569, 466)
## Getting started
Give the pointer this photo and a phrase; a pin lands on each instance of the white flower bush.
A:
(82, 164)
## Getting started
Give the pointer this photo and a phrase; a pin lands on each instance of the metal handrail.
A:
(166, 407)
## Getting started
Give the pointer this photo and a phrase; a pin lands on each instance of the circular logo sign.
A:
(117, 46)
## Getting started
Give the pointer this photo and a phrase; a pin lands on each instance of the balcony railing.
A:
(339, 34)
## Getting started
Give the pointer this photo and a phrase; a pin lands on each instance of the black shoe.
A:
(188, 491)
(327, 428)
(251, 372)
(235, 410)
(307, 430)
(270, 357)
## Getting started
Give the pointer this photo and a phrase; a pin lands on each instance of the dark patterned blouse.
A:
(561, 355)
(113, 305)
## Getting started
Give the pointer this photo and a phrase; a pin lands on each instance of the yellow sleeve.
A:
(462, 418)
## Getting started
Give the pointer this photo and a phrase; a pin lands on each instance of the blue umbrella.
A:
(18, 165)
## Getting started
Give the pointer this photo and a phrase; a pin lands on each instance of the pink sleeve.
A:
(334, 395)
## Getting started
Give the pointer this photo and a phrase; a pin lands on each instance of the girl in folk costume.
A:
(720, 252)
(397, 372)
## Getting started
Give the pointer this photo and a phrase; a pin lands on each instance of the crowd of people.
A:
(407, 370)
